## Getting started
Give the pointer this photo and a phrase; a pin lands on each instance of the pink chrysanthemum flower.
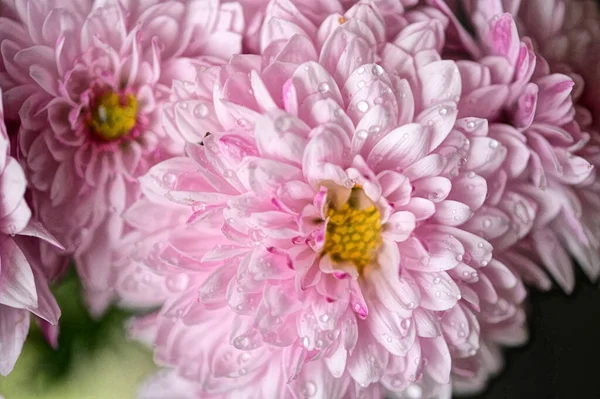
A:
(23, 284)
(533, 211)
(87, 80)
(567, 35)
(323, 254)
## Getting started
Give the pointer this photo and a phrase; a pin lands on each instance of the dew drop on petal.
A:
(362, 106)
(377, 70)
(362, 134)
(305, 342)
(309, 390)
(169, 179)
(200, 111)
(361, 84)
(256, 235)
(443, 111)
(405, 324)
(323, 87)
(493, 143)
(414, 391)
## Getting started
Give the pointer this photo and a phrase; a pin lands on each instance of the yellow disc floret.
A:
(353, 232)
(114, 115)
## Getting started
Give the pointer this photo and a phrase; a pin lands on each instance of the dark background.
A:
(562, 359)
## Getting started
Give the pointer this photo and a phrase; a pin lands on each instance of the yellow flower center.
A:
(114, 115)
(353, 231)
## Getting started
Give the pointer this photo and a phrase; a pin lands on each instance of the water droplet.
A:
(414, 391)
(521, 212)
(461, 334)
(241, 342)
(360, 70)
(474, 275)
(282, 124)
(493, 144)
(228, 173)
(362, 134)
(169, 179)
(397, 383)
(183, 105)
(480, 245)
(243, 358)
(377, 70)
(324, 318)
(430, 123)
(200, 111)
(405, 324)
(443, 111)
(178, 282)
(487, 223)
(309, 390)
(305, 342)
(360, 84)
(319, 343)
(349, 183)
(483, 263)
(472, 352)
(323, 87)
(470, 124)
(459, 258)
(437, 280)
(243, 371)
(411, 305)
(362, 106)
(256, 235)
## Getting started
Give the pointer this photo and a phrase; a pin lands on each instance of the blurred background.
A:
(96, 361)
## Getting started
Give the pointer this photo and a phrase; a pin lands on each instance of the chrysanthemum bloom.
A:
(23, 284)
(87, 80)
(567, 35)
(533, 213)
(322, 254)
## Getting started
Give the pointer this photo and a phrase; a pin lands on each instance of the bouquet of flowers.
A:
(299, 198)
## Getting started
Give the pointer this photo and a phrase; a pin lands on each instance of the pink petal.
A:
(438, 356)
(399, 148)
(14, 325)
(438, 291)
(400, 225)
(440, 80)
(16, 278)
